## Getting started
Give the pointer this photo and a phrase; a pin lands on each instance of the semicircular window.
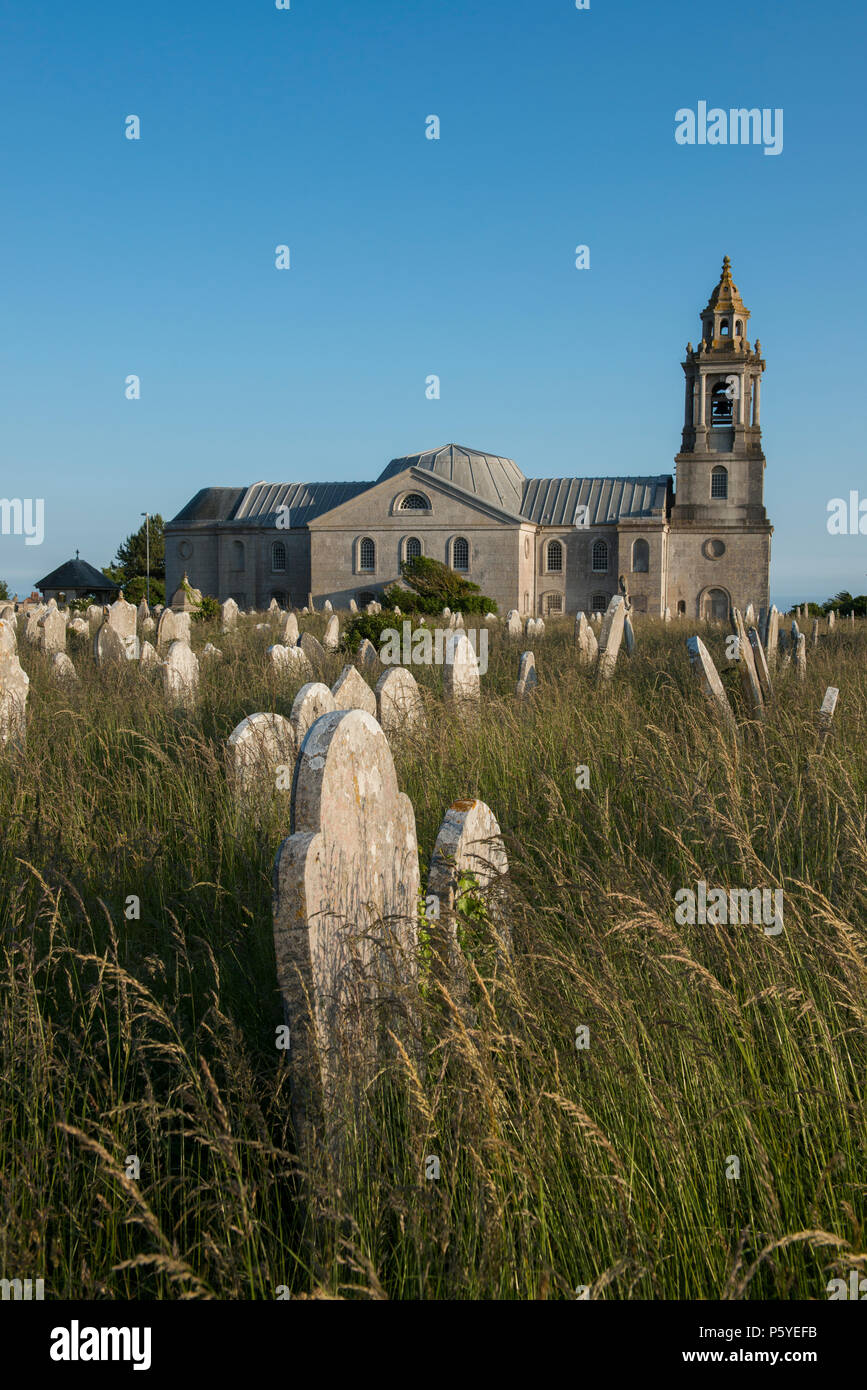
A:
(414, 502)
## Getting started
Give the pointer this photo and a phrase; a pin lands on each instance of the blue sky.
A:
(411, 257)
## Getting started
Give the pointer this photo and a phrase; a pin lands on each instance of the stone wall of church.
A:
(741, 571)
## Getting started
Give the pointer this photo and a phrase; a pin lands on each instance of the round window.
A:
(185, 549)
(713, 549)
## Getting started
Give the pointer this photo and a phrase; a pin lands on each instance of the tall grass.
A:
(603, 1167)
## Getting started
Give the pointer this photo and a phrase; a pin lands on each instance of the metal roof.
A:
(493, 479)
(77, 574)
(304, 500)
(553, 501)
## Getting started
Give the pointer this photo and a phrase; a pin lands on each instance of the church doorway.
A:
(715, 605)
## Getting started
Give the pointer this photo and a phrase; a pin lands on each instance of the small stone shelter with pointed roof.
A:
(77, 579)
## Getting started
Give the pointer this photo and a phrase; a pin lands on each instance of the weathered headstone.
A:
(211, 653)
(707, 675)
(353, 606)
(772, 641)
(747, 667)
(832, 623)
(666, 617)
(172, 627)
(312, 649)
(8, 637)
(815, 633)
(585, 640)
(826, 714)
(259, 747)
(331, 636)
(289, 630)
(122, 617)
(14, 682)
(310, 603)
(346, 888)
(628, 635)
(398, 701)
(52, 632)
(367, 654)
(143, 611)
(313, 700)
(351, 691)
(527, 678)
(327, 606)
(94, 615)
(461, 670)
(801, 656)
(469, 843)
(514, 626)
(229, 614)
(273, 606)
(749, 617)
(610, 637)
(180, 673)
(762, 673)
(148, 661)
(288, 661)
(62, 669)
(108, 646)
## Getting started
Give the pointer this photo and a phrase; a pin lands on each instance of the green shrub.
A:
(369, 625)
(433, 587)
(207, 609)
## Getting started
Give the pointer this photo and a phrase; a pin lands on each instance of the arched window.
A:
(555, 557)
(553, 603)
(719, 481)
(716, 605)
(720, 404)
(278, 556)
(681, 607)
(412, 548)
(366, 555)
(414, 502)
(724, 328)
(600, 556)
(640, 557)
(460, 554)
(237, 555)
(739, 328)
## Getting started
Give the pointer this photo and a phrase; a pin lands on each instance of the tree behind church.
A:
(434, 587)
(129, 568)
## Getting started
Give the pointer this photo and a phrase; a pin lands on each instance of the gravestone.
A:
(211, 653)
(62, 669)
(801, 656)
(180, 673)
(93, 614)
(796, 632)
(628, 635)
(832, 623)
(108, 646)
(707, 675)
(288, 661)
(746, 666)
(491, 618)
(143, 611)
(527, 678)
(310, 606)
(531, 627)
(367, 654)
(514, 627)
(148, 627)
(258, 746)
(289, 631)
(32, 631)
(52, 632)
(761, 666)
(666, 617)
(273, 606)
(331, 636)
(353, 606)
(148, 661)
(398, 701)
(172, 627)
(229, 614)
(815, 633)
(610, 637)
(540, 627)
(327, 606)
(122, 617)
(749, 617)
(8, 638)
(446, 613)
(313, 700)
(7, 612)
(351, 691)
(772, 641)
(14, 682)
(346, 885)
(469, 842)
(461, 670)
(826, 714)
(585, 640)
(313, 650)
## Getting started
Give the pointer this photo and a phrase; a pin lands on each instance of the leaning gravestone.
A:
(610, 637)
(259, 747)
(527, 678)
(398, 701)
(122, 617)
(14, 682)
(469, 843)
(331, 637)
(52, 632)
(772, 641)
(346, 885)
(711, 685)
(312, 649)
(351, 691)
(312, 701)
(762, 673)
(628, 635)
(367, 653)
(461, 670)
(180, 672)
(62, 669)
(747, 667)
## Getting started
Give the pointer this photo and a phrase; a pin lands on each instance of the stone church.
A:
(540, 545)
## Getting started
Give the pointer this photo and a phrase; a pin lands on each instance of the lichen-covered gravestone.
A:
(514, 626)
(289, 631)
(461, 671)
(398, 701)
(172, 627)
(585, 640)
(229, 613)
(288, 661)
(351, 691)
(772, 639)
(108, 645)
(313, 700)
(313, 650)
(14, 682)
(346, 887)
(708, 678)
(527, 678)
(52, 632)
(180, 672)
(122, 617)
(367, 653)
(331, 637)
(8, 637)
(259, 747)
(610, 637)
(62, 669)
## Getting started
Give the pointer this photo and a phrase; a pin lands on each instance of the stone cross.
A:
(398, 701)
(708, 677)
(610, 637)
(346, 885)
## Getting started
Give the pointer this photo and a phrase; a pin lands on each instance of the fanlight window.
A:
(640, 557)
(555, 556)
(719, 482)
(414, 502)
(600, 556)
(278, 556)
(461, 554)
(413, 548)
(367, 555)
(720, 405)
